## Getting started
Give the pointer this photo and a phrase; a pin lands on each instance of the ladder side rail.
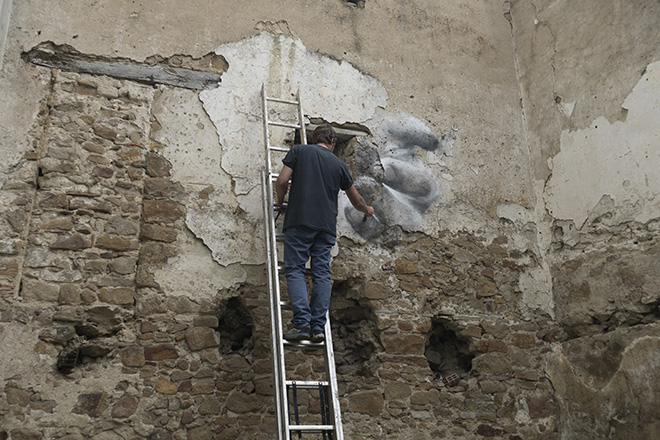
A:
(301, 119)
(264, 106)
(276, 313)
(274, 322)
(331, 376)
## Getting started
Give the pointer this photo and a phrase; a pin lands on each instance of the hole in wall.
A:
(354, 329)
(446, 353)
(358, 3)
(235, 326)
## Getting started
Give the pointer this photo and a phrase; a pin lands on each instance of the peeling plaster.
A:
(620, 160)
(194, 274)
(332, 90)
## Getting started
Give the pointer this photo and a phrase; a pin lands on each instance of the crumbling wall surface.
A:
(591, 104)
(132, 278)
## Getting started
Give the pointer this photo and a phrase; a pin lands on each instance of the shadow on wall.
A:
(391, 171)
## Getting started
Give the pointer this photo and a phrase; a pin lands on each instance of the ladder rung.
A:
(284, 149)
(282, 101)
(303, 344)
(308, 384)
(311, 428)
(285, 305)
(285, 124)
(279, 237)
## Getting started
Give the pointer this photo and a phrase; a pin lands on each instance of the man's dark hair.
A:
(324, 134)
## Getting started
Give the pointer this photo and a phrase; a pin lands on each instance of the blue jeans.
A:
(300, 244)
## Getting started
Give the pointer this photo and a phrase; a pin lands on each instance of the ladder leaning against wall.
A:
(286, 389)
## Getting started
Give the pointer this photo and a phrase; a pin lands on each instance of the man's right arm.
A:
(358, 202)
(282, 183)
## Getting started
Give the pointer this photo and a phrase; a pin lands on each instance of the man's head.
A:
(324, 134)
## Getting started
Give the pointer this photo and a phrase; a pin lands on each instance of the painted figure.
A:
(391, 170)
(310, 225)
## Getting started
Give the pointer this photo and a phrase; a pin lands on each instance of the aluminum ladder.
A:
(330, 426)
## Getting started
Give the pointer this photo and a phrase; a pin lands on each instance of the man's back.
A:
(317, 177)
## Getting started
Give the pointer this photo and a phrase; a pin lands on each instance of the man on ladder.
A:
(310, 226)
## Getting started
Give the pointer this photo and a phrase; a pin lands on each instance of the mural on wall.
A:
(389, 168)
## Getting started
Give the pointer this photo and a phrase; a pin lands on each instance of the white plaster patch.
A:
(330, 89)
(519, 215)
(333, 90)
(620, 160)
(193, 273)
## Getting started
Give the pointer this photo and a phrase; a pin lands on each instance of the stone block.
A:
(201, 433)
(204, 386)
(119, 295)
(376, 291)
(115, 243)
(242, 403)
(424, 398)
(404, 266)
(492, 363)
(200, 338)
(158, 233)
(92, 404)
(155, 253)
(210, 405)
(366, 402)
(206, 321)
(160, 352)
(485, 287)
(487, 345)
(125, 407)
(165, 386)
(133, 356)
(157, 165)
(541, 406)
(491, 386)
(103, 172)
(123, 265)
(403, 344)
(8, 268)
(74, 242)
(234, 363)
(121, 226)
(17, 396)
(162, 188)
(26, 434)
(34, 290)
(105, 132)
(523, 340)
(155, 211)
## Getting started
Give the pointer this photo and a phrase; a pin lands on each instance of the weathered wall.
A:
(591, 94)
(132, 266)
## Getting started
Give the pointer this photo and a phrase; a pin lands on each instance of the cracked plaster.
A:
(622, 159)
(332, 90)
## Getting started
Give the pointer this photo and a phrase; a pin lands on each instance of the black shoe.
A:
(297, 334)
(317, 336)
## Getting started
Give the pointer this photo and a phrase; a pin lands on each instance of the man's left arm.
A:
(282, 183)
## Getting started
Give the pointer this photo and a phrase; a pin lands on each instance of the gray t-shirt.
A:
(317, 177)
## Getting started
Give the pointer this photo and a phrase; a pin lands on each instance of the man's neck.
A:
(329, 147)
